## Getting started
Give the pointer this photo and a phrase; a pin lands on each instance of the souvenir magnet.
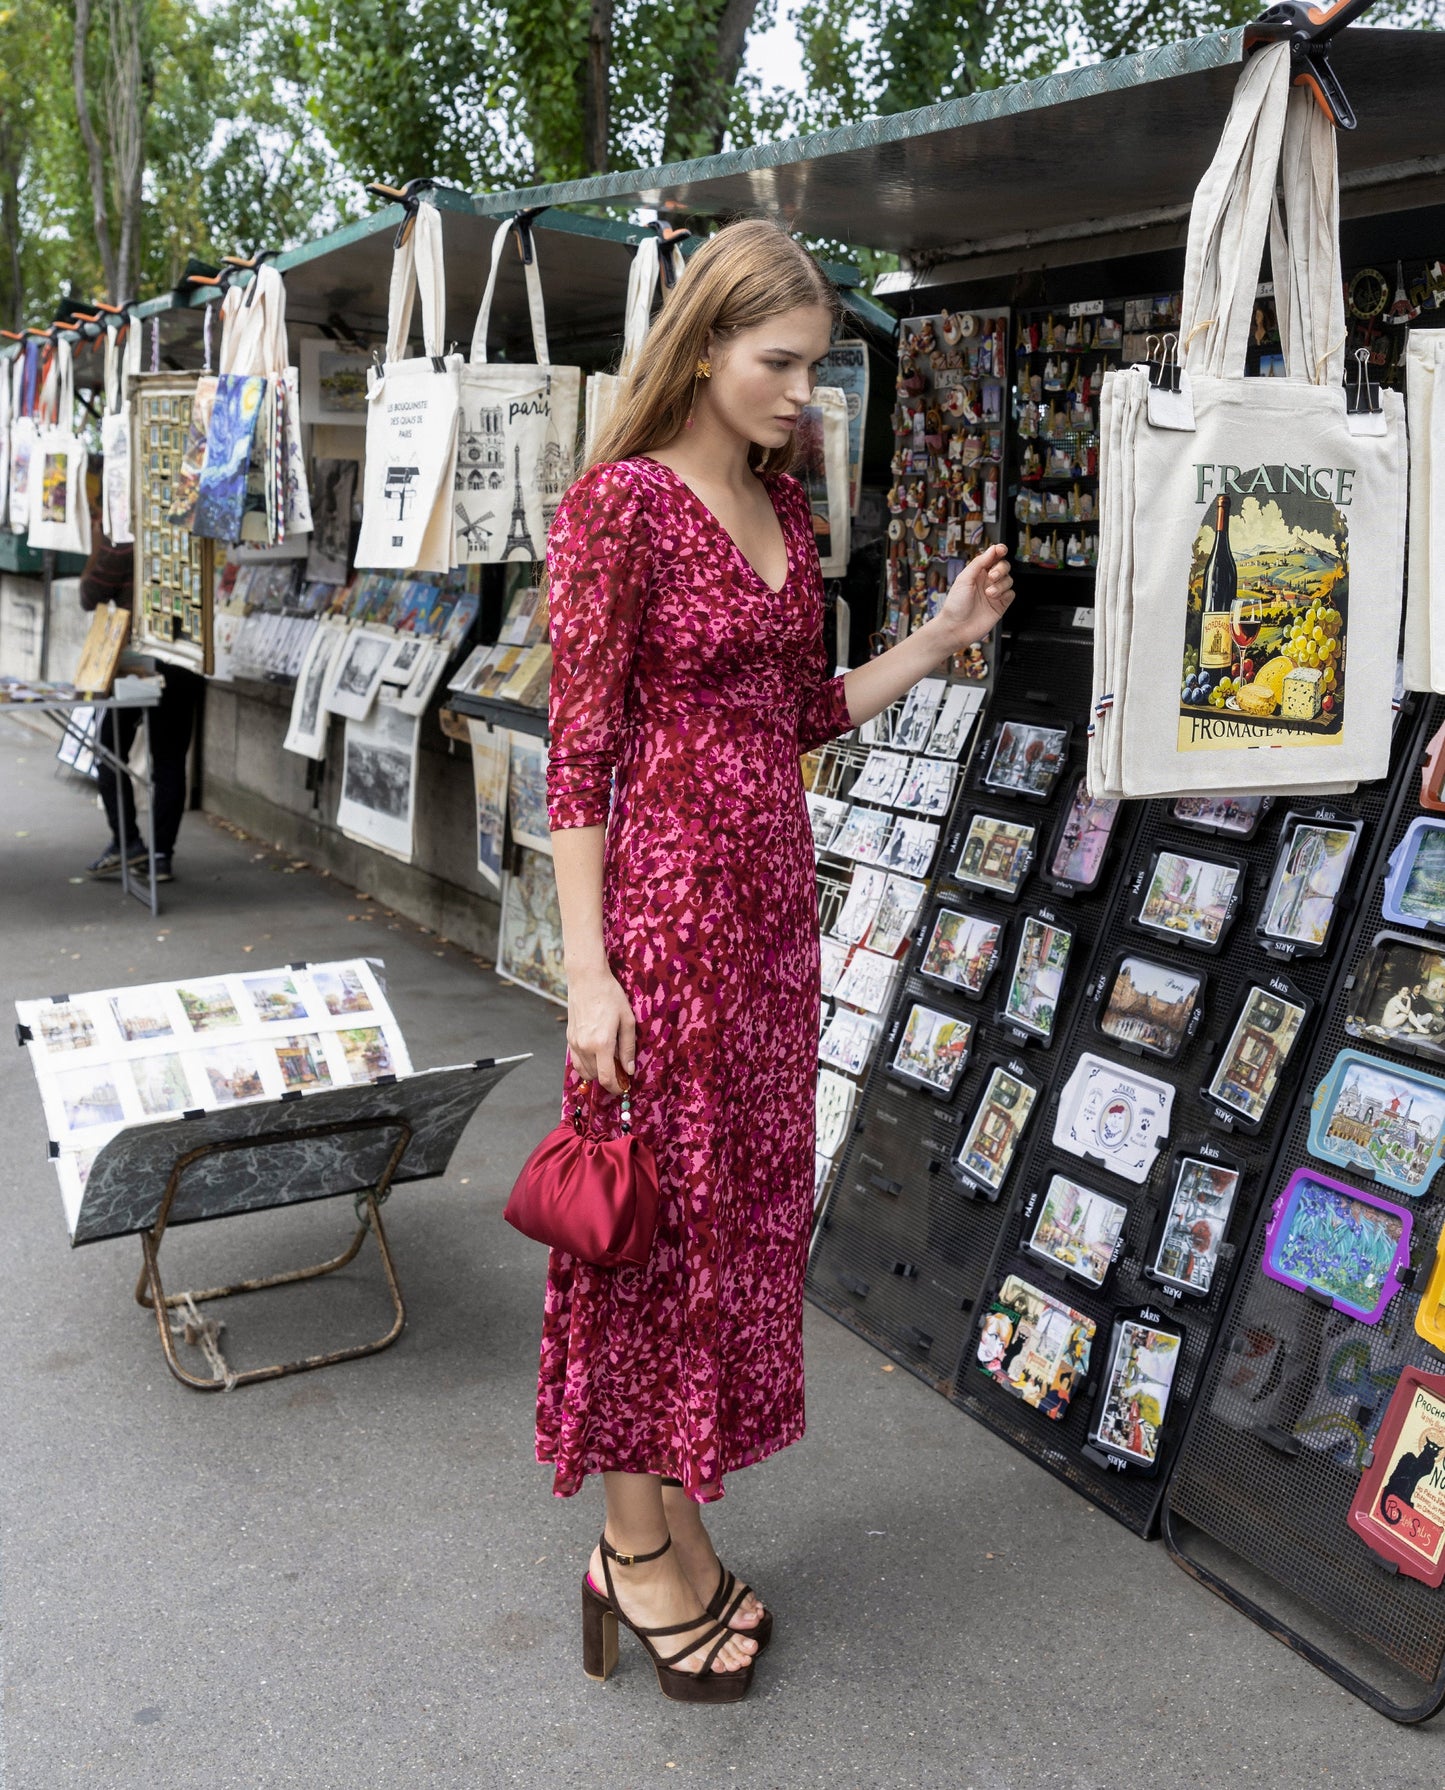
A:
(1340, 1243)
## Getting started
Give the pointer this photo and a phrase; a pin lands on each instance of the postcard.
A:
(1194, 1224)
(1150, 1007)
(1380, 1120)
(1399, 996)
(825, 815)
(275, 998)
(848, 1041)
(1415, 883)
(927, 788)
(962, 950)
(1305, 886)
(881, 777)
(1235, 815)
(992, 1139)
(1190, 899)
(954, 721)
(1255, 1056)
(142, 1013)
(234, 1073)
(1032, 1002)
(832, 956)
(1077, 1229)
(867, 980)
(302, 1062)
(898, 909)
(996, 854)
(860, 905)
(343, 989)
(862, 835)
(1026, 760)
(1136, 1392)
(834, 1104)
(1333, 1239)
(60, 1028)
(1035, 1347)
(1113, 1115)
(85, 1098)
(910, 846)
(933, 1048)
(1083, 839)
(1399, 1508)
(920, 710)
(368, 1053)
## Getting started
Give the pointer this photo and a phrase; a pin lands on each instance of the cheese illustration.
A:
(1302, 691)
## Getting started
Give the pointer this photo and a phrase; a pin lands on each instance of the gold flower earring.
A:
(702, 371)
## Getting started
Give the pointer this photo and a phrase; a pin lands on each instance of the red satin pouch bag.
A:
(593, 1197)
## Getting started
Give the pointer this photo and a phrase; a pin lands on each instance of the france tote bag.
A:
(1261, 527)
(518, 443)
(412, 410)
(59, 508)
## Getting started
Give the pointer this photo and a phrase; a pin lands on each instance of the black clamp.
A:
(1309, 30)
(408, 196)
(668, 237)
(522, 222)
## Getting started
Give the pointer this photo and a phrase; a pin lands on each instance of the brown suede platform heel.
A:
(601, 1615)
(727, 1600)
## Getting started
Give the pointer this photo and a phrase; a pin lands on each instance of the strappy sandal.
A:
(727, 1600)
(601, 1615)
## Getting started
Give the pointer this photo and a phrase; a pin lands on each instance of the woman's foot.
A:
(693, 1546)
(657, 1593)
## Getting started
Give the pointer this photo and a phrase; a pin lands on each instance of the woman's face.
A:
(763, 376)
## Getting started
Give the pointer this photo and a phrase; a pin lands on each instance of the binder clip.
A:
(1364, 414)
(1164, 372)
(1309, 28)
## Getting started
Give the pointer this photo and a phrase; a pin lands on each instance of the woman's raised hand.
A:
(977, 598)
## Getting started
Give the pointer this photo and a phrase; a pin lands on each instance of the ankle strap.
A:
(611, 1553)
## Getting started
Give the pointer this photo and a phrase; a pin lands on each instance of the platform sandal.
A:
(727, 1600)
(601, 1615)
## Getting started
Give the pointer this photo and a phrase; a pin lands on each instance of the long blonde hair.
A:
(746, 273)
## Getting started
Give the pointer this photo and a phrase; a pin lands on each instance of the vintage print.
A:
(1027, 760)
(1035, 1347)
(1189, 898)
(1136, 1391)
(275, 997)
(343, 991)
(1399, 997)
(141, 1013)
(368, 1053)
(1306, 883)
(825, 816)
(1032, 1002)
(862, 835)
(234, 1073)
(962, 950)
(933, 1048)
(996, 854)
(1255, 1057)
(1078, 854)
(1114, 1116)
(928, 787)
(1267, 608)
(1336, 1240)
(161, 1085)
(860, 904)
(1194, 1225)
(1399, 1509)
(302, 1062)
(61, 1026)
(1415, 884)
(208, 1006)
(1235, 815)
(920, 710)
(1078, 1229)
(1150, 1007)
(989, 1146)
(1386, 1122)
(89, 1097)
(867, 980)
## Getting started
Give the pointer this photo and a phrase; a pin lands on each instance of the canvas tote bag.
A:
(22, 437)
(518, 445)
(1295, 599)
(241, 420)
(59, 508)
(121, 365)
(294, 492)
(1425, 574)
(604, 389)
(412, 409)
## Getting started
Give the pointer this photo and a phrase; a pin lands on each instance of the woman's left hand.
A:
(977, 598)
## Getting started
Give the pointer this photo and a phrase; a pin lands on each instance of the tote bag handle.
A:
(1305, 247)
(112, 373)
(534, 302)
(64, 418)
(417, 267)
(641, 286)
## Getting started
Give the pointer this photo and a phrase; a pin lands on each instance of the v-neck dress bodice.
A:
(676, 666)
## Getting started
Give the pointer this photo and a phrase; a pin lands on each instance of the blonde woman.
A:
(686, 621)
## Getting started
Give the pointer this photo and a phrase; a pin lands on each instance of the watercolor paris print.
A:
(1266, 622)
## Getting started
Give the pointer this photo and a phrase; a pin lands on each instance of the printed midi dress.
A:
(674, 662)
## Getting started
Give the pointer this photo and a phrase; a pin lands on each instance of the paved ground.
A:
(357, 1579)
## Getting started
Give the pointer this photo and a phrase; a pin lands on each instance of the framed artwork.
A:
(1076, 1230)
(1379, 1120)
(1329, 1238)
(932, 1050)
(996, 855)
(1149, 1008)
(1415, 879)
(1399, 1507)
(175, 570)
(991, 1140)
(1184, 1251)
(1034, 1346)
(1235, 816)
(1114, 1116)
(1079, 848)
(1257, 1052)
(1189, 900)
(962, 952)
(333, 382)
(1305, 885)
(1025, 760)
(1138, 1381)
(1031, 1000)
(1398, 997)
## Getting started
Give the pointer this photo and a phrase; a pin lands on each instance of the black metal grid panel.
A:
(902, 1252)
(1291, 1399)
(1127, 1493)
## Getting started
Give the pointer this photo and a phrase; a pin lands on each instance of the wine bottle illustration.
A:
(1221, 586)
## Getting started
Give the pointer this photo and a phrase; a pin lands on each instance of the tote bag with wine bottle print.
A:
(59, 506)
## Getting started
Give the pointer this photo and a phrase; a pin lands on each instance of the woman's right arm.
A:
(597, 570)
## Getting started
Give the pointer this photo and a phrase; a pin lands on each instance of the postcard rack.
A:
(1290, 1409)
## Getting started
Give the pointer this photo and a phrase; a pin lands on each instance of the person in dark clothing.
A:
(108, 577)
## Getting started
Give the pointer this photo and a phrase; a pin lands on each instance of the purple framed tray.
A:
(1338, 1243)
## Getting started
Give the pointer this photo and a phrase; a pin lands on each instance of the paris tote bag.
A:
(411, 420)
(59, 508)
(518, 445)
(1256, 575)
(121, 365)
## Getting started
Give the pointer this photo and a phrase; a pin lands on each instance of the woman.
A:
(685, 615)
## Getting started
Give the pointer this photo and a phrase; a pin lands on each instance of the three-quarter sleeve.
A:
(598, 563)
(824, 713)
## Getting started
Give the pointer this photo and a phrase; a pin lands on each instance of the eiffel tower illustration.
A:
(518, 540)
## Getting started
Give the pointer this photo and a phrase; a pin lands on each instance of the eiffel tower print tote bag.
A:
(411, 420)
(517, 446)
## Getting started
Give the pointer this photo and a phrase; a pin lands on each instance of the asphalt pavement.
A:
(357, 1578)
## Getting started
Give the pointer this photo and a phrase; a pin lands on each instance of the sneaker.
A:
(164, 874)
(108, 863)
